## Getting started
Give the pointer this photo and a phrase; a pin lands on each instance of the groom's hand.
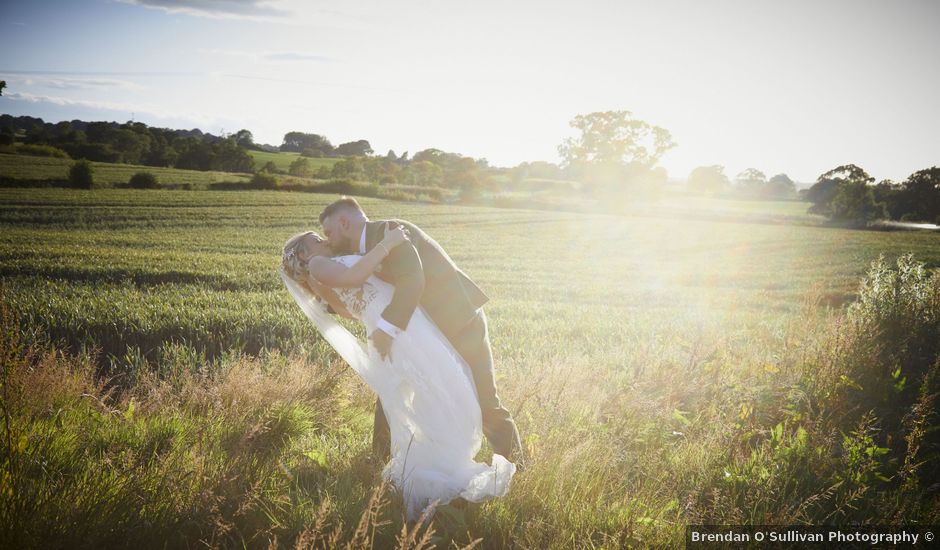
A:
(382, 342)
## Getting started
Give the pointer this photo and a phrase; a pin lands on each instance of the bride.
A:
(425, 387)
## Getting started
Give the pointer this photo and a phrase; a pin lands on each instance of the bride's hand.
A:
(314, 285)
(394, 237)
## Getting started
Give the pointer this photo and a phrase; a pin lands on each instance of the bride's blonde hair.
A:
(290, 255)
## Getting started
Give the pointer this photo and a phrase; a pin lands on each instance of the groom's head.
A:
(342, 222)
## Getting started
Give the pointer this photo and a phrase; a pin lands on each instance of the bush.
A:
(399, 196)
(82, 175)
(346, 186)
(264, 181)
(143, 180)
(271, 168)
(42, 151)
(300, 168)
(884, 361)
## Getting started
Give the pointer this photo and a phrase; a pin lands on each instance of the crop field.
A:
(283, 159)
(705, 361)
(23, 167)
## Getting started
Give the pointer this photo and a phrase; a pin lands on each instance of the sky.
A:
(792, 86)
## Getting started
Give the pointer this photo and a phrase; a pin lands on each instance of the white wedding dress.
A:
(427, 394)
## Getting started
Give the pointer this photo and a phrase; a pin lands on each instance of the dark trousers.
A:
(473, 344)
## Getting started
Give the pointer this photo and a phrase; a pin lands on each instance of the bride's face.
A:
(315, 247)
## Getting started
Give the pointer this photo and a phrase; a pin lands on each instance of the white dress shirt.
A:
(382, 324)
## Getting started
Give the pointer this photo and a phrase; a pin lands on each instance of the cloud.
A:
(71, 83)
(295, 56)
(288, 56)
(137, 109)
(67, 102)
(232, 9)
(287, 12)
(308, 82)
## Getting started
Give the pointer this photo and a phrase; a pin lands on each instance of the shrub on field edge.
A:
(143, 180)
(263, 181)
(347, 186)
(271, 168)
(82, 175)
(854, 436)
(41, 151)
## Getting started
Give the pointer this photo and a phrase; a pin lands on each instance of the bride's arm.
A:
(331, 298)
(336, 275)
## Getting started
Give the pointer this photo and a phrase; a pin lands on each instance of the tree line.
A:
(613, 156)
(750, 184)
(130, 143)
(848, 194)
(429, 168)
(138, 143)
(315, 145)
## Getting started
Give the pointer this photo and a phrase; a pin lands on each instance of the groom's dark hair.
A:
(341, 203)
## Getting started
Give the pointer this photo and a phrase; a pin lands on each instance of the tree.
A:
(921, 192)
(469, 185)
(780, 187)
(6, 136)
(893, 196)
(3, 84)
(194, 154)
(82, 175)
(615, 138)
(161, 152)
(229, 157)
(143, 180)
(613, 147)
(244, 139)
(300, 167)
(750, 182)
(270, 168)
(854, 202)
(424, 173)
(348, 168)
(299, 141)
(844, 194)
(130, 144)
(359, 148)
(823, 191)
(708, 179)
(432, 155)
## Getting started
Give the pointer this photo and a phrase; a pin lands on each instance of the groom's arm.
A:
(403, 268)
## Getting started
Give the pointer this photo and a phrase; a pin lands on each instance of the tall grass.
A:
(274, 450)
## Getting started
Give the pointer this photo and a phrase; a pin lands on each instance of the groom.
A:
(423, 274)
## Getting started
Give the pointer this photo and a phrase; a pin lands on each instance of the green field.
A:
(692, 363)
(23, 167)
(283, 160)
